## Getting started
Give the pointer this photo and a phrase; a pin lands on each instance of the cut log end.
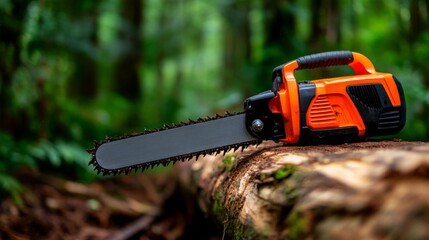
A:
(364, 190)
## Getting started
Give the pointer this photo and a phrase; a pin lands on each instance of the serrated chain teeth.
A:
(165, 162)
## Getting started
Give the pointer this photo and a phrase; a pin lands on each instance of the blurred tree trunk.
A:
(126, 75)
(159, 57)
(279, 30)
(10, 48)
(316, 18)
(333, 33)
(174, 99)
(236, 51)
(419, 23)
(416, 25)
(325, 22)
(367, 190)
(280, 25)
(84, 82)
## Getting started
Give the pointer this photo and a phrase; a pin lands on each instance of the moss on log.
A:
(367, 190)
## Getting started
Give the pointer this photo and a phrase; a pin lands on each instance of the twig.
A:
(138, 225)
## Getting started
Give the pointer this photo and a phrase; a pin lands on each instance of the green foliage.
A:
(297, 225)
(12, 187)
(218, 207)
(229, 162)
(74, 71)
(10, 159)
(59, 154)
(284, 172)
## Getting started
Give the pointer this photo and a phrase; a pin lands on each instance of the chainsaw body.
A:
(346, 108)
(331, 110)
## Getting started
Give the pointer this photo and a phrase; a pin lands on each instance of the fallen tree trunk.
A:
(368, 190)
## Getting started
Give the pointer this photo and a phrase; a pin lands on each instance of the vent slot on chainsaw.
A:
(322, 114)
(389, 119)
(376, 110)
(366, 94)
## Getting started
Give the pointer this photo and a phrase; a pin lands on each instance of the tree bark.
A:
(368, 190)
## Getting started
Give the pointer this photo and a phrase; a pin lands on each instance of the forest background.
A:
(72, 71)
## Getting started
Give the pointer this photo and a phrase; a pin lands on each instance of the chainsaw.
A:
(339, 109)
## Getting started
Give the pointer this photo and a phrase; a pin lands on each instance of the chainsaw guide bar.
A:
(178, 142)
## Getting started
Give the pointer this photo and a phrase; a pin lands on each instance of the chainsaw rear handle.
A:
(358, 62)
(325, 59)
(345, 108)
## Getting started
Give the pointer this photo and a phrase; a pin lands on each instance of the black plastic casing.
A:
(371, 100)
(374, 106)
(257, 107)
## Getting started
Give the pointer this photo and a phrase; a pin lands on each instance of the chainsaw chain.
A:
(166, 161)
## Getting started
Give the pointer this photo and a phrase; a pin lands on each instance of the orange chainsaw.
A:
(334, 110)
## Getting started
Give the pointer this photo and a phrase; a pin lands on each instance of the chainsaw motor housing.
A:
(341, 109)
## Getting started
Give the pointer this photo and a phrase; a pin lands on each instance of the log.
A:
(367, 190)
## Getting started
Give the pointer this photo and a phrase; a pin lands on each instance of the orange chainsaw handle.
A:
(286, 100)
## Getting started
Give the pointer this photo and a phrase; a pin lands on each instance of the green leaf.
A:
(285, 172)
(72, 153)
(51, 153)
(12, 187)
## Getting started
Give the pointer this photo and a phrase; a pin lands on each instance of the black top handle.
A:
(325, 59)
(358, 62)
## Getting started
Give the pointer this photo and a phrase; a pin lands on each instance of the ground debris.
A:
(144, 206)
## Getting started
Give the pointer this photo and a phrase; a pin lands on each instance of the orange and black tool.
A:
(338, 109)
(331, 110)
